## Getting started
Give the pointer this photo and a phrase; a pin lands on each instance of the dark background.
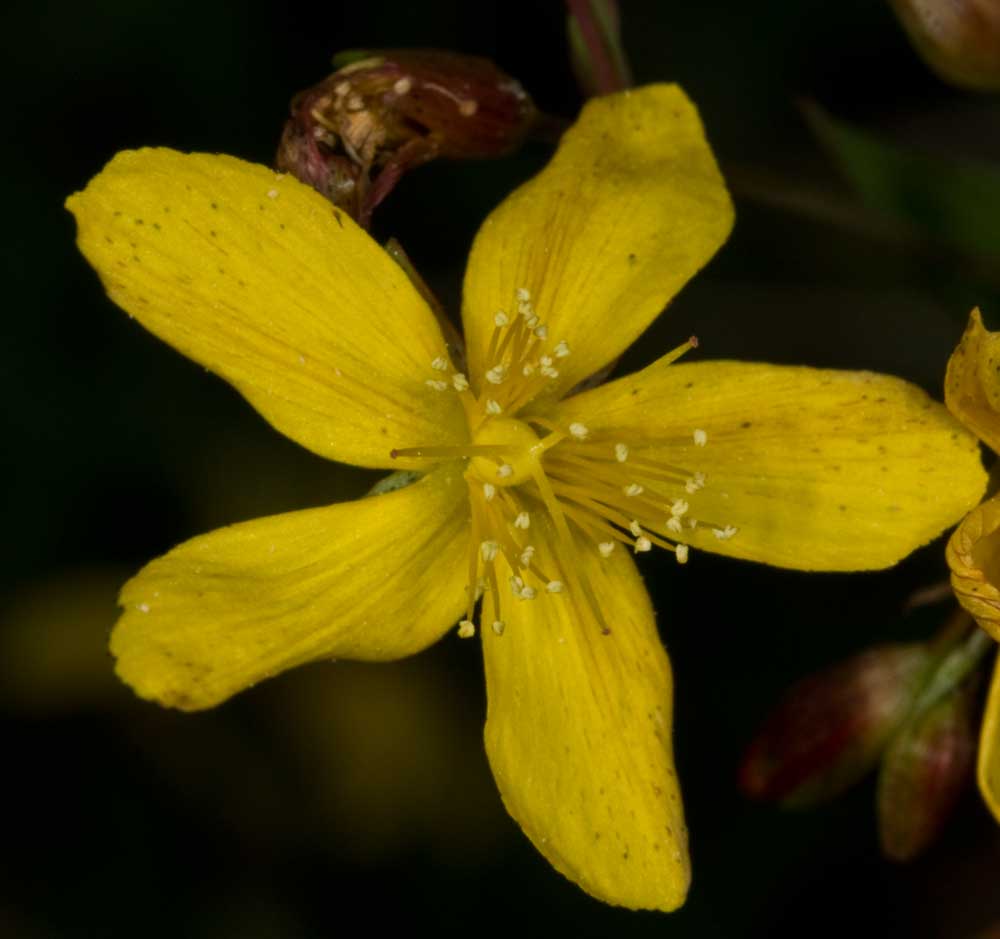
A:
(342, 795)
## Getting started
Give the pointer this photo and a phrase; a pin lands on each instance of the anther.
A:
(528, 370)
(679, 508)
(466, 629)
(542, 332)
(440, 364)
(488, 550)
(436, 385)
(562, 349)
(643, 544)
(504, 470)
(579, 431)
(554, 586)
(700, 438)
(724, 534)
(523, 520)
(527, 555)
(633, 489)
(635, 528)
(606, 547)
(459, 382)
(674, 524)
(497, 374)
(621, 452)
(499, 626)
(493, 407)
(681, 552)
(500, 319)
(489, 491)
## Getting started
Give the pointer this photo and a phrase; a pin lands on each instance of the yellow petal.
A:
(816, 469)
(988, 768)
(259, 279)
(972, 383)
(375, 579)
(974, 558)
(629, 208)
(579, 730)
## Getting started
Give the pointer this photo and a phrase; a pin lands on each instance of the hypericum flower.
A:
(533, 499)
(972, 394)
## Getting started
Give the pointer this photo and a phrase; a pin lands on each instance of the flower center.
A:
(517, 451)
(593, 487)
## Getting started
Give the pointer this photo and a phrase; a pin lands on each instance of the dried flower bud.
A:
(958, 39)
(923, 773)
(355, 134)
(830, 728)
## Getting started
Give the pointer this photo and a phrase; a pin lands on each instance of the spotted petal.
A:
(629, 208)
(578, 730)
(375, 579)
(974, 558)
(804, 468)
(972, 383)
(988, 769)
(259, 279)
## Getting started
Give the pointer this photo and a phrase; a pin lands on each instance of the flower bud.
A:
(958, 39)
(830, 728)
(923, 773)
(354, 135)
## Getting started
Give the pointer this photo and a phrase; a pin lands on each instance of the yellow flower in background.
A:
(533, 498)
(972, 394)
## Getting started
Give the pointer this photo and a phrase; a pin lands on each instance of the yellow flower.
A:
(972, 394)
(532, 496)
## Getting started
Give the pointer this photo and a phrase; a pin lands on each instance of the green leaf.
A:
(957, 201)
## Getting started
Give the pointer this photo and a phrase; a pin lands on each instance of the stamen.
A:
(700, 438)
(466, 629)
(621, 452)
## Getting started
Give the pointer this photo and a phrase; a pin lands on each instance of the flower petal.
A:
(816, 469)
(972, 382)
(261, 280)
(629, 208)
(974, 558)
(579, 730)
(375, 579)
(988, 768)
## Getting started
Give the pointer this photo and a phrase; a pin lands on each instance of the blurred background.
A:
(341, 793)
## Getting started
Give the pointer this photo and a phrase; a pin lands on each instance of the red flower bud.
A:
(354, 135)
(830, 728)
(924, 772)
(958, 39)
